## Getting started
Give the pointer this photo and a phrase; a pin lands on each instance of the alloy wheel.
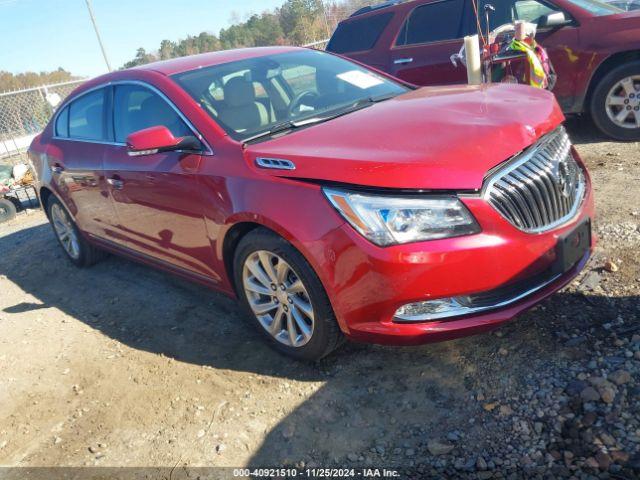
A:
(65, 231)
(623, 102)
(278, 298)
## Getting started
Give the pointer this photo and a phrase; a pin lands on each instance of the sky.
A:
(42, 35)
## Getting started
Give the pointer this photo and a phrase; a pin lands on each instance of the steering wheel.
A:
(296, 102)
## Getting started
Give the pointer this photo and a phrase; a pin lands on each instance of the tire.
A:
(324, 335)
(7, 210)
(610, 87)
(82, 253)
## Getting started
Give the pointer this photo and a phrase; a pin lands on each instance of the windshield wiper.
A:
(292, 124)
(358, 105)
(283, 127)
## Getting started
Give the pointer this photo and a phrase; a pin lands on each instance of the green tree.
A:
(297, 22)
(167, 50)
(10, 81)
(301, 21)
(142, 57)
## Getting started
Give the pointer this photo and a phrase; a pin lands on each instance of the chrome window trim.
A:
(197, 134)
(83, 140)
(520, 159)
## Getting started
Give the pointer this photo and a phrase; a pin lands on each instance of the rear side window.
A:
(136, 107)
(433, 22)
(359, 35)
(62, 123)
(86, 117)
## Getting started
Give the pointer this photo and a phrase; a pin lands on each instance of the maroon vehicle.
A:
(594, 47)
(331, 200)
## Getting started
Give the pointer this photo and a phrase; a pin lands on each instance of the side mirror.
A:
(159, 139)
(553, 19)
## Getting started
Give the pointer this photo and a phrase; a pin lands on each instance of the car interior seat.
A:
(240, 110)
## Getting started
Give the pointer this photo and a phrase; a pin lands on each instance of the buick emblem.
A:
(564, 177)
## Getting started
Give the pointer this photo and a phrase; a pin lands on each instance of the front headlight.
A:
(389, 220)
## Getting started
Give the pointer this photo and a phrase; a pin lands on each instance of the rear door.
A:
(431, 33)
(75, 155)
(157, 197)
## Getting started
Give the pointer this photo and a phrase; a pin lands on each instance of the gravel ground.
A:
(120, 365)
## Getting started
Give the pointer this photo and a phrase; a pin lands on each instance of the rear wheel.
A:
(284, 296)
(7, 210)
(615, 104)
(78, 250)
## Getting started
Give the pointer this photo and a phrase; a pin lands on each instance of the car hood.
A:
(430, 138)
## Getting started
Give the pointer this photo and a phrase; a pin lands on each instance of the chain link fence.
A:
(23, 115)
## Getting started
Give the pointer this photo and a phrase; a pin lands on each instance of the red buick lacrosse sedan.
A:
(333, 200)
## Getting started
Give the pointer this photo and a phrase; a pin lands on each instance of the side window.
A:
(62, 123)
(86, 116)
(507, 11)
(359, 35)
(432, 23)
(136, 108)
(504, 13)
(531, 11)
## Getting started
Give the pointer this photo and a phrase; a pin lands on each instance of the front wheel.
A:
(615, 103)
(284, 296)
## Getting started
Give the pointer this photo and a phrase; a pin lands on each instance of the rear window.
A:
(62, 123)
(433, 22)
(86, 116)
(359, 35)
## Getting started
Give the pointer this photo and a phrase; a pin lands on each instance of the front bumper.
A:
(368, 284)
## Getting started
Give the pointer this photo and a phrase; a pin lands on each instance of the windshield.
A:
(252, 96)
(596, 8)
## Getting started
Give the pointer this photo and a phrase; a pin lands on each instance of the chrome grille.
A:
(539, 189)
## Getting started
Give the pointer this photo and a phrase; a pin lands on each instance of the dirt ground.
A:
(120, 365)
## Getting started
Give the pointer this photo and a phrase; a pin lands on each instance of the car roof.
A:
(374, 8)
(192, 62)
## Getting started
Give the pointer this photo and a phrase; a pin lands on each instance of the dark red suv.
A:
(330, 199)
(594, 46)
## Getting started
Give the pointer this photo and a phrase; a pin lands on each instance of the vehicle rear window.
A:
(62, 123)
(359, 35)
(86, 116)
(432, 23)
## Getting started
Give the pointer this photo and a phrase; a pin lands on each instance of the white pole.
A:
(472, 57)
(95, 27)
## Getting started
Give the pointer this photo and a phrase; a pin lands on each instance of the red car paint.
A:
(175, 210)
(152, 138)
(582, 52)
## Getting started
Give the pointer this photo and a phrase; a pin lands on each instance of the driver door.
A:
(157, 197)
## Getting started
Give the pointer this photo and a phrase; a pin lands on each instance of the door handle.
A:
(402, 61)
(116, 183)
(57, 168)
